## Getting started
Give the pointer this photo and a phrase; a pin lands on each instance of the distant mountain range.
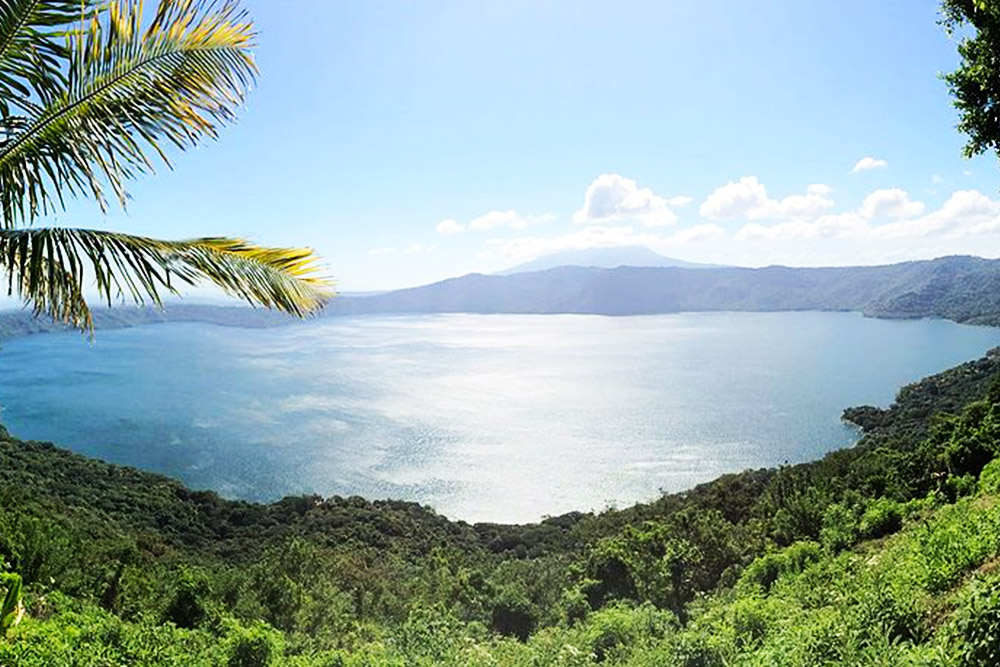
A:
(963, 289)
(603, 258)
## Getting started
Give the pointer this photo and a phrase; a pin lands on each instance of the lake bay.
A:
(484, 417)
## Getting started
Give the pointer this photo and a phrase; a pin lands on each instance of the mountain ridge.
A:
(961, 288)
(605, 258)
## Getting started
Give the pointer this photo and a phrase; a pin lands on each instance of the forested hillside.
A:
(884, 553)
(964, 289)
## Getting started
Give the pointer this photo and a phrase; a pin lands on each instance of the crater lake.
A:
(504, 418)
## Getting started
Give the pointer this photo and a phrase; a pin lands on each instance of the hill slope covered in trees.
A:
(964, 289)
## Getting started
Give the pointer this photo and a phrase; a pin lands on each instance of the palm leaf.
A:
(32, 47)
(128, 91)
(47, 268)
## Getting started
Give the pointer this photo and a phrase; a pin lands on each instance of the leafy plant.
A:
(12, 609)
(90, 93)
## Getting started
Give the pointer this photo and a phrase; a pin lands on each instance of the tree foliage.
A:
(975, 84)
(92, 94)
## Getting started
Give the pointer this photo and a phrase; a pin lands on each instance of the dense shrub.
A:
(764, 571)
(513, 615)
(989, 478)
(881, 517)
(749, 618)
(188, 606)
(256, 646)
(840, 528)
(979, 627)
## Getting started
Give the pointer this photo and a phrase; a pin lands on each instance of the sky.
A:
(408, 142)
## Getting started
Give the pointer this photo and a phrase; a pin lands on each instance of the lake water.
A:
(484, 417)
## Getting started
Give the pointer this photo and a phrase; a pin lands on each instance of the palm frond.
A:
(129, 92)
(47, 267)
(32, 47)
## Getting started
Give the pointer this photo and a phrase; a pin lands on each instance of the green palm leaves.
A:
(51, 264)
(93, 92)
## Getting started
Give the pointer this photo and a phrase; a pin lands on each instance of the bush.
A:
(882, 517)
(763, 572)
(979, 626)
(989, 479)
(840, 529)
(256, 646)
(958, 486)
(575, 605)
(187, 607)
(750, 622)
(614, 632)
(514, 616)
(695, 648)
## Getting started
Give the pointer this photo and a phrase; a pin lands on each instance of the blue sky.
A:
(412, 141)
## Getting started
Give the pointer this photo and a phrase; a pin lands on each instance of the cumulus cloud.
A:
(747, 199)
(890, 203)
(837, 226)
(970, 205)
(869, 163)
(965, 213)
(680, 200)
(449, 227)
(612, 197)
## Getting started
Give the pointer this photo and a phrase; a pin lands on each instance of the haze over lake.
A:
(484, 417)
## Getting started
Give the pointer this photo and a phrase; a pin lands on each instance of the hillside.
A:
(881, 554)
(964, 289)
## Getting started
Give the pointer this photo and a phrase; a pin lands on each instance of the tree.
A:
(91, 92)
(975, 84)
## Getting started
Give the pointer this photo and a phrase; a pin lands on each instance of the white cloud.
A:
(965, 213)
(612, 197)
(696, 234)
(825, 227)
(449, 227)
(419, 249)
(890, 203)
(970, 205)
(868, 163)
(978, 213)
(747, 199)
(509, 218)
(680, 200)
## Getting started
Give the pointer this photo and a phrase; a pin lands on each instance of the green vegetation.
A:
(975, 84)
(90, 91)
(885, 553)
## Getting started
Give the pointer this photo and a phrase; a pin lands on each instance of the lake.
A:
(484, 417)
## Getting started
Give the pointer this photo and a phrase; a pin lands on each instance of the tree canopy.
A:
(975, 84)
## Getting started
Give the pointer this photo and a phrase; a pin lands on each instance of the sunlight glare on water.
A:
(484, 417)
